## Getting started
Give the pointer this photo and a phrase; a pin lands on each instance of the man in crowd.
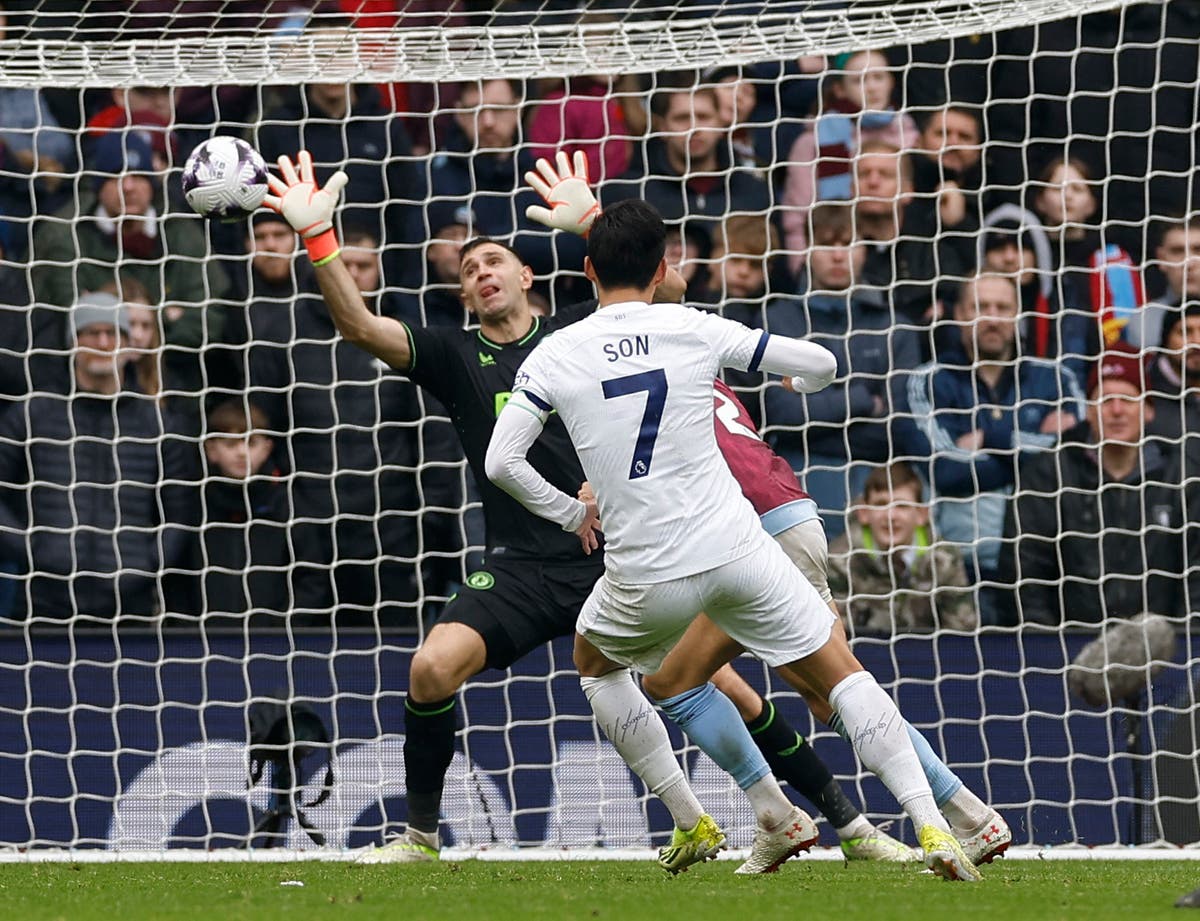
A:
(973, 416)
(96, 499)
(1174, 378)
(124, 229)
(1107, 525)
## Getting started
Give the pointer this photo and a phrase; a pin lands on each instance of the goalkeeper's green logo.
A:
(502, 399)
(481, 581)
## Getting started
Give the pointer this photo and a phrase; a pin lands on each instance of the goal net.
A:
(223, 528)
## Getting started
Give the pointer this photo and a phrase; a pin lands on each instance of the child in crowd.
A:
(247, 559)
(740, 259)
(886, 573)
(1102, 273)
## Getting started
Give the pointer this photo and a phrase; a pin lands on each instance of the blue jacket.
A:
(873, 355)
(946, 400)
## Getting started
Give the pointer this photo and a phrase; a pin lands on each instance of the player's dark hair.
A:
(476, 242)
(626, 244)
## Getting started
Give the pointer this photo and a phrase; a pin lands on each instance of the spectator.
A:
(887, 572)
(482, 164)
(440, 479)
(1053, 324)
(1117, 84)
(737, 286)
(17, 360)
(352, 453)
(1102, 275)
(266, 289)
(838, 435)
(149, 109)
(753, 128)
(857, 111)
(35, 155)
(95, 503)
(247, 564)
(687, 251)
(1174, 378)
(1178, 258)
(346, 126)
(142, 372)
(689, 173)
(910, 249)
(740, 258)
(583, 115)
(122, 229)
(947, 164)
(1106, 526)
(441, 302)
(974, 415)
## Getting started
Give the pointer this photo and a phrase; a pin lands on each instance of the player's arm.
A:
(809, 367)
(507, 465)
(309, 209)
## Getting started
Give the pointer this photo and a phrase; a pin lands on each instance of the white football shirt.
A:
(633, 385)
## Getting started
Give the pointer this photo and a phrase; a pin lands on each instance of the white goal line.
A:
(330, 855)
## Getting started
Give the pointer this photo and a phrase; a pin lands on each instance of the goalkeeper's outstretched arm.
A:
(309, 209)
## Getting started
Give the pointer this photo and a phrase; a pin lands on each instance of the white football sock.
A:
(880, 738)
(966, 811)
(771, 807)
(859, 828)
(637, 732)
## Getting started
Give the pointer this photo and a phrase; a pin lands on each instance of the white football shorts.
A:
(808, 548)
(760, 600)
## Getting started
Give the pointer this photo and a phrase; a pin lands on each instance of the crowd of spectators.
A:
(1013, 425)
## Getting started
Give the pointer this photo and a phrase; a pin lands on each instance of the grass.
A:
(1013, 891)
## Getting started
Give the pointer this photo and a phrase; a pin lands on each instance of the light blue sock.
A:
(712, 722)
(942, 781)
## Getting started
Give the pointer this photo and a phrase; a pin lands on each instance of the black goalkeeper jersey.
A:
(473, 377)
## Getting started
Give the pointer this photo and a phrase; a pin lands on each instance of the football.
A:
(224, 178)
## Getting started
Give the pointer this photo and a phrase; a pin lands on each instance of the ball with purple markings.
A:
(225, 178)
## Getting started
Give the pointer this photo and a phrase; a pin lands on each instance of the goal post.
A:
(151, 600)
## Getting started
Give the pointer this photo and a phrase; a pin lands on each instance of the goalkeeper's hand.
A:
(573, 207)
(306, 206)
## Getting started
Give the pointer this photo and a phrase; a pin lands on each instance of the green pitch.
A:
(483, 891)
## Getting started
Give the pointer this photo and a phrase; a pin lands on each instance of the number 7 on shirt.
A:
(654, 385)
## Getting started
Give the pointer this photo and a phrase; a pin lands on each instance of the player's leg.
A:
(880, 737)
(793, 759)
(785, 623)
(711, 721)
(981, 830)
(500, 615)
(637, 626)
(637, 732)
(452, 652)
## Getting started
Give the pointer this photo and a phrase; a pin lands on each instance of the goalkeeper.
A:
(790, 516)
(537, 576)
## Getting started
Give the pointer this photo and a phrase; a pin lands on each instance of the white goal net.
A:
(209, 503)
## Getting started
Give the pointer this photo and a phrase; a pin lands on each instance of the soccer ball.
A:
(225, 178)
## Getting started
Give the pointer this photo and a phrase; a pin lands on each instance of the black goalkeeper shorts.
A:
(517, 605)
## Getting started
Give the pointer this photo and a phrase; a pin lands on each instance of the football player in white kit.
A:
(633, 385)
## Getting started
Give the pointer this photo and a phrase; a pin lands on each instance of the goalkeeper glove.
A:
(573, 207)
(307, 207)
